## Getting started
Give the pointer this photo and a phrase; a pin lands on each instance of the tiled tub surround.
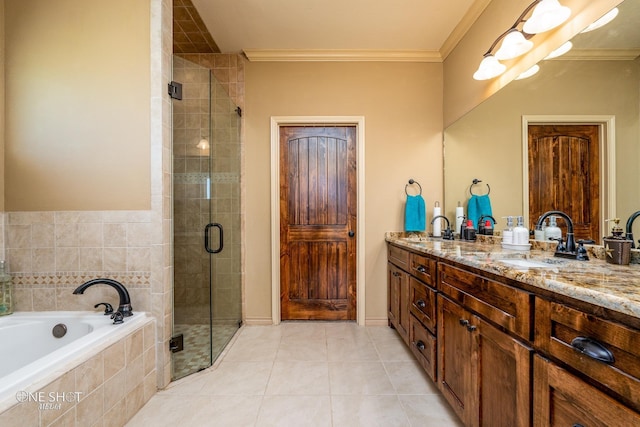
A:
(51, 253)
(613, 287)
(112, 379)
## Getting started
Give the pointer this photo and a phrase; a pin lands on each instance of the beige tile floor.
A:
(304, 374)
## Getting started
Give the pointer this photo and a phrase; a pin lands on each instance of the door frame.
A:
(276, 123)
(607, 130)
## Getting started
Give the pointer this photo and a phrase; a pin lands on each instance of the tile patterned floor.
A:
(197, 354)
(305, 374)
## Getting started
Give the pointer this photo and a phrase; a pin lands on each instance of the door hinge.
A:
(175, 90)
(176, 343)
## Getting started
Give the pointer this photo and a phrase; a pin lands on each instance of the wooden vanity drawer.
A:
(504, 305)
(423, 346)
(423, 303)
(562, 399)
(398, 256)
(423, 268)
(560, 329)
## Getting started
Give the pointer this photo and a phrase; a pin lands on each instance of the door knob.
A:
(352, 233)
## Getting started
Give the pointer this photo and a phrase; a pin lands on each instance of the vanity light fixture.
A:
(606, 18)
(203, 144)
(530, 72)
(546, 15)
(489, 68)
(560, 51)
(513, 45)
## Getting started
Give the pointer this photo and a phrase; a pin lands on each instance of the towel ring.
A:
(475, 182)
(412, 181)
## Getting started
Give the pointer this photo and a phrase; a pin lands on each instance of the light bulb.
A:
(530, 72)
(560, 51)
(203, 144)
(513, 45)
(489, 68)
(608, 17)
(548, 14)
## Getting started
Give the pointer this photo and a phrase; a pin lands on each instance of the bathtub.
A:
(31, 356)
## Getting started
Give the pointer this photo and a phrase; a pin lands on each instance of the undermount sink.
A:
(527, 263)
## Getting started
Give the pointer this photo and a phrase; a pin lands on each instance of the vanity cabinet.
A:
(398, 300)
(483, 372)
(604, 353)
(412, 303)
(562, 399)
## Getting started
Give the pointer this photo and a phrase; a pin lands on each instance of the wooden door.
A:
(318, 206)
(564, 175)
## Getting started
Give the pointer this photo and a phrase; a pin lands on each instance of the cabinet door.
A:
(394, 278)
(561, 399)
(455, 344)
(503, 377)
(398, 300)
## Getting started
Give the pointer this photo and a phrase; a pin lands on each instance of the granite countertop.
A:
(615, 287)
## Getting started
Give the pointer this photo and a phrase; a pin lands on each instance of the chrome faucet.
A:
(569, 250)
(629, 230)
(447, 234)
(125, 301)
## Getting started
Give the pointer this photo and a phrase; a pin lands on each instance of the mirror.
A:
(599, 77)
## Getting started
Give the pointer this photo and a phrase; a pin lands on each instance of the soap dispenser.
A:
(552, 231)
(507, 233)
(617, 247)
(468, 232)
(539, 231)
(520, 233)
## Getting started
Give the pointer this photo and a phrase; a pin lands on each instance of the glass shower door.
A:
(206, 231)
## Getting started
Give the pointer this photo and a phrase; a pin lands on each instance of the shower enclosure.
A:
(206, 213)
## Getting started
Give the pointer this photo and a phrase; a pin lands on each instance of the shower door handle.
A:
(206, 238)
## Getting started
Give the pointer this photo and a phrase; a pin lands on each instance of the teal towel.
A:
(477, 207)
(415, 216)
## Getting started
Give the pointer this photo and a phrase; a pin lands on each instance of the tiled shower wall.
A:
(196, 191)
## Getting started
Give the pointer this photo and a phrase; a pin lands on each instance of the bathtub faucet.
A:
(125, 301)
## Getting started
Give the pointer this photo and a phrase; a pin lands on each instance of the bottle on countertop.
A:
(552, 231)
(468, 232)
(617, 246)
(459, 217)
(539, 231)
(437, 225)
(520, 233)
(507, 233)
(6, 291)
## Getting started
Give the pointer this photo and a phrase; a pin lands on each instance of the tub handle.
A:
(108, 308)
(117, 318)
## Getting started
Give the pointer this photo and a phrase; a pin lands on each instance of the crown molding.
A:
(340, 55)
(463, 27)
(599, 55)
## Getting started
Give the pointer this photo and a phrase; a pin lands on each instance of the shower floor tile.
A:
(197, 354)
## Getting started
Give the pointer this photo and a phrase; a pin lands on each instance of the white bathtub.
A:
(30, 356)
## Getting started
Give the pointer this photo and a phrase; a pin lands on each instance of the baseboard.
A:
(258, 321)
(376, 321)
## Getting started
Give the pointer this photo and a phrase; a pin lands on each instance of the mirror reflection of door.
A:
(564, 175)
(318, 217)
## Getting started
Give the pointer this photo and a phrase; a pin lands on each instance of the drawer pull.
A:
(421, 269)
(577, 425)
(420, 345)
(471, 328)
(593, 349)
(464, 322)
(395, 274)
(421, 304)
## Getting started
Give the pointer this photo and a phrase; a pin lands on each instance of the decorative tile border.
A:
(50, 280)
